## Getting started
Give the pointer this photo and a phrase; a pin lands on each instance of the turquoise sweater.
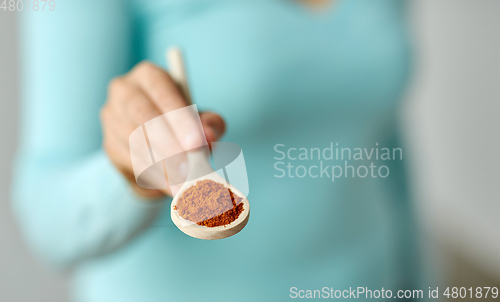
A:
(279, 74)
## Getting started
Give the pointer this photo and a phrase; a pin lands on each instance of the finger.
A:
(159, 86)
(117, 126)
(119, 153)
(165, 95)
(213, 126)
(137, 109)
(160, 138)
(129, 101)
(116, 144)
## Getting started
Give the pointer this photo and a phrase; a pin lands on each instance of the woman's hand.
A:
(144, 93)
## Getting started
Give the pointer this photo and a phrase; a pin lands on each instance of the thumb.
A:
(213, 125)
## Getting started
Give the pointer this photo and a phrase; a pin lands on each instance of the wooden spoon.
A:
(198, 165)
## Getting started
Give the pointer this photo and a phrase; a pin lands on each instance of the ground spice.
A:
(209, 204)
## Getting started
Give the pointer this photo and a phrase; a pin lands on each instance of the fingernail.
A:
(217, 132)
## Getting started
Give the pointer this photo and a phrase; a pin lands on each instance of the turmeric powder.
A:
(209, 204)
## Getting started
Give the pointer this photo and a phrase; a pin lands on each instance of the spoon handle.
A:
(198, 164)
(178, 72)
(198, 159)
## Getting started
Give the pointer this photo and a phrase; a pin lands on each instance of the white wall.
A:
(454, 121)
(22, 279)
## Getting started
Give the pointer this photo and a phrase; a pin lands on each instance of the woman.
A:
(297, 74)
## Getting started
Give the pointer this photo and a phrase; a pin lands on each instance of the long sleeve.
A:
(70, 201)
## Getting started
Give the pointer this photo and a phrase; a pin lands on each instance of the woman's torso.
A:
(279, 74)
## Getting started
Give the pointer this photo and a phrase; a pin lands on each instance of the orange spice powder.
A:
(209, 204)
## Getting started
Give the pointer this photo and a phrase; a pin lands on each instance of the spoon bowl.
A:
(198, 165)
(210, 233)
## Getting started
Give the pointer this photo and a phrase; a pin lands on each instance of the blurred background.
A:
(451, 116)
